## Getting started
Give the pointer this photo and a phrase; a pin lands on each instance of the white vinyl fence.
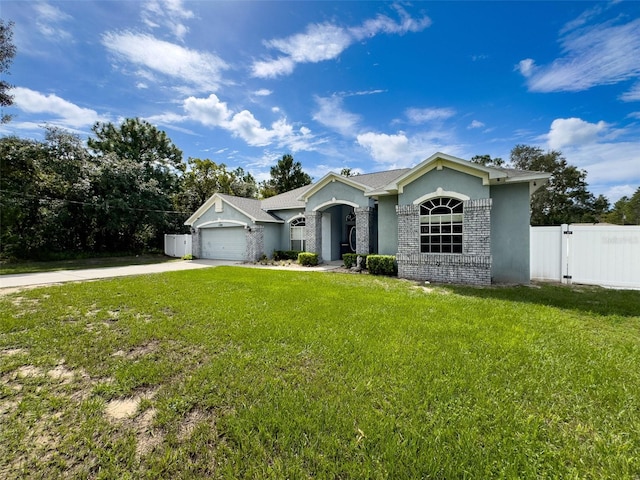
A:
(177, 245)
(607, 255)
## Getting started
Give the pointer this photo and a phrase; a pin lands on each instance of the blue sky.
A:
(365, 85)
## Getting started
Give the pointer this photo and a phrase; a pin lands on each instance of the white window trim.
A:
(441, 193)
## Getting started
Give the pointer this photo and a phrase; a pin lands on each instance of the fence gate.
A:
(607, 255)
(177, 245)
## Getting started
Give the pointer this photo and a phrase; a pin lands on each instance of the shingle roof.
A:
(251, 207)
(286, 200)
(379, 179)
(259, 209)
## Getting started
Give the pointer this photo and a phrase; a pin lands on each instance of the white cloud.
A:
(60, 111)
(526, 67)
(602, 54)
(263, 92)
(574, 131)
(607, 164)
(272, 68)
(199, 69)
(326, 41)
(387, 149)
(319, 42)
(589, 146)
(400, 150)
(331, 114)
(632, 95)
(475, 124)
(421, 115)
(213, 112)
(168, 14)
(48, 20)
(384, 24)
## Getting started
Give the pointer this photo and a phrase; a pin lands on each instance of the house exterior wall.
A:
(473, 266)
(340, 192)
(448, 180)
(510, 237)
(272, 237)
(228, 213)
(280, 236)
(387, 225)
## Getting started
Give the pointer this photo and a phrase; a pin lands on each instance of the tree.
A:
(45, 191)
(7, 52)
(19, 195)
(626, 211)
(138, 175)
(565, 199)
(286, 175)
(205, 177)
(487, 161)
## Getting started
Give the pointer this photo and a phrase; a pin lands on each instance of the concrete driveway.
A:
(61, 276)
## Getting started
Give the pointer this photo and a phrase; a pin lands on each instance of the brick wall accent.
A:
(313, 233)
(255, 243)
(364, 224)
(473, 266)
(196, 246)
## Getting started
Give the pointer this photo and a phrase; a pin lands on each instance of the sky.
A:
(369, 86)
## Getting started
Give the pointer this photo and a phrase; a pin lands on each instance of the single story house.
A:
(445, 220)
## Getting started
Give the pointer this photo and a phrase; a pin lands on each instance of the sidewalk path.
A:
(46, 278)
(61, 276)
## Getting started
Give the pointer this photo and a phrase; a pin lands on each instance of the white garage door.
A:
(224, 243)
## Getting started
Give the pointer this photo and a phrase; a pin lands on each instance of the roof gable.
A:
(330, 178)
(250, 207)
(488, 175)
(439, 160)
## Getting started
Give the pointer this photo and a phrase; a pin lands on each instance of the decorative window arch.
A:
(441, 227)
(296, 233)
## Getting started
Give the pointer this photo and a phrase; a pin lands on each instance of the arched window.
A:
(297, 234)
(441, 225)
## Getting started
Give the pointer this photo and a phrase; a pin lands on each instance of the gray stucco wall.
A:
(448, 180)
(510, 218)
(340, 192)
(272, 237)
(281, 234)
(228, 213)
(387, 225)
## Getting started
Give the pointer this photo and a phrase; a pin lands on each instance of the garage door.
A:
(224, 243)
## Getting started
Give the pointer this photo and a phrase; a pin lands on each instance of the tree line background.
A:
(128, 185)
(118, 193)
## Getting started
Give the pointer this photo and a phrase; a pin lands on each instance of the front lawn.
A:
(247, 373)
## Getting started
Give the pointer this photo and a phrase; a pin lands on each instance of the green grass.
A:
(248, 373)
(10, 268)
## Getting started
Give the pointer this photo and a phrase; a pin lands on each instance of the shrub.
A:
(285, 254)
(188, 256)
(308, 259)
(351, 259)
(382, 265)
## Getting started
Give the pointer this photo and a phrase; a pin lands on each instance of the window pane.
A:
(441, 225)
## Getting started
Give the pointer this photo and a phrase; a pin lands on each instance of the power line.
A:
(91, 204)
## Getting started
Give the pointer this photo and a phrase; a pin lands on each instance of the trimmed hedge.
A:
(308, 259)
(382, 265)
(351, 259)
(285, 254)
